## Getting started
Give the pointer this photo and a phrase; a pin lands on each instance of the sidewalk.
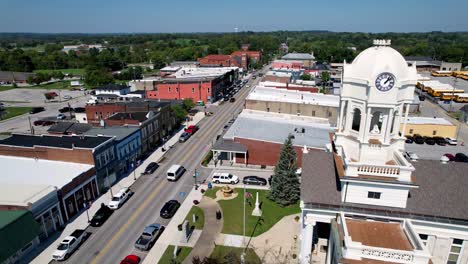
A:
(171, 235)
(81, 221)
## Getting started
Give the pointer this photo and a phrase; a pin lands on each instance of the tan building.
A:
(293, 102)
(429, 127)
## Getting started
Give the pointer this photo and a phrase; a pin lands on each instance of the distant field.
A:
(14, 111)
(64, 71)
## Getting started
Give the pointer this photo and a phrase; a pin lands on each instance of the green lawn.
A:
(200, 217)
(212, 192)
(65, 71)
(14, 111)
(220, 253)
(167, 256)
(6, 88)
(272, 213)
(54, 85)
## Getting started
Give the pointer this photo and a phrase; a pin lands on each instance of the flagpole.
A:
(243, 237)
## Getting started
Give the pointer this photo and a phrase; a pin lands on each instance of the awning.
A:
(229, 146)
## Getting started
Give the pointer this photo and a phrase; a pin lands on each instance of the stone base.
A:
(257, 212)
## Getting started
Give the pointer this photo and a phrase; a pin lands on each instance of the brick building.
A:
(216, 60)
(244, 59)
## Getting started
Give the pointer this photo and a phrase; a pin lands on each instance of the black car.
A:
(101, 215)
(460, 157)
(65, 109)
(226, 99)
(35, 110)
(430, 141)
(440, 141)
(232, 100)
(80, 110)
(151, 168)
(422, 98)
(255, 180)
(418, 139)
(409, 139)
(169, 209)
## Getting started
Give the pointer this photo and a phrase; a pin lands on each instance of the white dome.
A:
(378, 59)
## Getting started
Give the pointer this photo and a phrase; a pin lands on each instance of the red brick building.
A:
(216, 60)
(244, 58)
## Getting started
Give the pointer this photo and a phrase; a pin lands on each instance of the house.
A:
(293, 102)
(243, 145)
(361, 200)
(96, 151)
(127, 141)
(8, 77)
(18, 235)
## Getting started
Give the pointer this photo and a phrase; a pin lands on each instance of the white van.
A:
(174, 172)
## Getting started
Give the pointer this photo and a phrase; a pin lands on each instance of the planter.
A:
(202, 190)
(297, 218)
(179, 227)
(195, 202)
(218, 215)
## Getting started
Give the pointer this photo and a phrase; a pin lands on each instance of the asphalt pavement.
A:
(114, 240)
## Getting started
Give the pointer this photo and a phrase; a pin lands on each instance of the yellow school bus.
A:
(437, 92)
(441, 73)
(461, 98)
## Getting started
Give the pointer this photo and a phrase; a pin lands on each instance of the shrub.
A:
(195, 202)
(207, 158)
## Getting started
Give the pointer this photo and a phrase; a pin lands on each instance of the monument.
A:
(257, 211)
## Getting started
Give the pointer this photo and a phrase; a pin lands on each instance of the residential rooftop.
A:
(274, 127)
(118, 132)
(69, 142)
(293, 96)
(441, 188)
(417, 120)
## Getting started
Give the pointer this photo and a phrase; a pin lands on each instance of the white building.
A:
(115, 89)
(365, 176)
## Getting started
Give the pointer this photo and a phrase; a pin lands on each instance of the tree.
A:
(188, 104)
(179, 112)
(285, 186)
(97, 77)
(325, 77)
(306, 77)
(58, 75)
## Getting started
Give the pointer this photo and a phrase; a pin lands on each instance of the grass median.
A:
(200, 217)
(167, 257)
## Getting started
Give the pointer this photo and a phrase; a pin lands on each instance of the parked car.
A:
(149, 236)
(120, 198)
(411, 155)
(184, 137)
(68, 245)
(101, 215)
(451, 157)
(418, 139)
(440, 141)
(66, 109)
(79, 110)
(38, 122)
(48, 123)
(422, 98)
(226, 98)
(231, 121)
(36, 110)
(429, 141)
(61, 116)
(169, 209)
(232, 100)
(460, 157)
(151, 168)
(67, 97)
(409, 140)
(255, 180)
(451, 141)
(131, 259)
(191, 129)
(224, 177)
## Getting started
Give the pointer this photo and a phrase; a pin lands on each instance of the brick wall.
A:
(273, 78)
(198, 91)
(70, 155)
(103, 111)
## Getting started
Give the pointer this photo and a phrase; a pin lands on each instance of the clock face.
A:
(385, 82)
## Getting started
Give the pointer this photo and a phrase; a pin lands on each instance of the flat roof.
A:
(298, 56)
(441, 188)
(139, 116)
(293, 96)
(279, 74)
(170, 68)
(417, 120)
(119, 132)
(200, 72)
(378, 234)
(34, 178)
(69, 127)
(69, 142)
(274, 127)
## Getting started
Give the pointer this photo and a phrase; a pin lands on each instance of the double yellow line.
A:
(156, 191)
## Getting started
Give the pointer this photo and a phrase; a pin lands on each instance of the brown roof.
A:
(378, 234)
(442, 187)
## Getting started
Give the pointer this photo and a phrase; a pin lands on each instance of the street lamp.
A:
(195, 175)
(134, 170)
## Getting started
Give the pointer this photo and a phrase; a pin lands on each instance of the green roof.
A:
(17, 229)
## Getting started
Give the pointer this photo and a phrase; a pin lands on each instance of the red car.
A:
(131, 259)
(39, 123)
(191, 129)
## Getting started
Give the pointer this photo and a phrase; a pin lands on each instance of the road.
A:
(114, 240)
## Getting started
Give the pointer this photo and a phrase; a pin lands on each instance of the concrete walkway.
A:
(211, 230)
(81, 221)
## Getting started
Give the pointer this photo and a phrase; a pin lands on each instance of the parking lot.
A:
(434, 152)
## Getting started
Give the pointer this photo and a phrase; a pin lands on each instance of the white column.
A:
(403, 131)
(365, 131)
(388, 126)
(307, 234)
(340, 121)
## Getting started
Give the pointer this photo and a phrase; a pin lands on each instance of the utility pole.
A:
(30, 126)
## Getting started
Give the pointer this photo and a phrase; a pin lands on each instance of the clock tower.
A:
(377, 88)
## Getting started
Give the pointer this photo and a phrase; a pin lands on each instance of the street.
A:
(115, 239)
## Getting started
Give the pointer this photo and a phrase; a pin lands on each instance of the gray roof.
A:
(119, 132)
(298, 56)
(440, 196)
(274, 128)
(15, 76)
(69, 127)
(229, 145)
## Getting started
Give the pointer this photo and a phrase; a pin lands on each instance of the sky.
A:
(153, 16)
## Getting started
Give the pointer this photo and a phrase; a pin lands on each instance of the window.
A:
(373, 195)
(356, 119)
(268, 109)
(434, 132)
(329, 113)
(411, 131)
(193, 90)
(313, 113)
(423, 238)
(177, 89)
(169, 89)
(455, 250)
(208, 90)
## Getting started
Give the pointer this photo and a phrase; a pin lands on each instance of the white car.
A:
(61, 116)
(224, 177)
(119, 198)
(68, 245)
(451, 141)
(411, 155)
(67, 97)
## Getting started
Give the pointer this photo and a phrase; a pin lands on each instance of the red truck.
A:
(191, 129)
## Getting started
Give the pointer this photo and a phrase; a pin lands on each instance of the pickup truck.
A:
(68, 245)
(149, 236)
